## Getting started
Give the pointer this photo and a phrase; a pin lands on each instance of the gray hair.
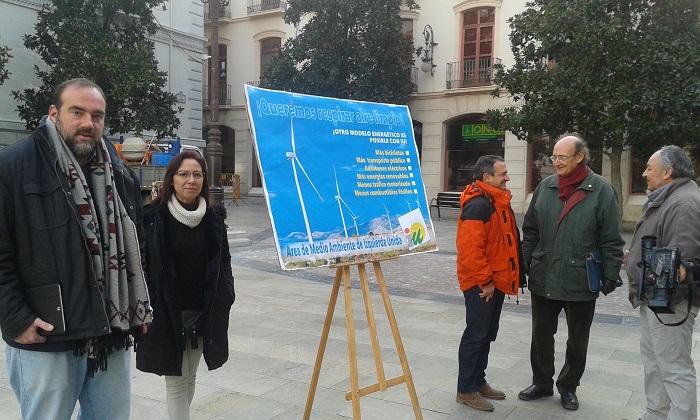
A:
(580, 145)
(675, 158)
(484, 165)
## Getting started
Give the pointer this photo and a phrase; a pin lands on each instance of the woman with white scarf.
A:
(189, 277)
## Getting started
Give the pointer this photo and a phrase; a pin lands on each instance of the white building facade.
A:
(251, 33)
(453, 92)
(179, 47)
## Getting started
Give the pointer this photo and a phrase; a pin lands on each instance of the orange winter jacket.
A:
(488, 241)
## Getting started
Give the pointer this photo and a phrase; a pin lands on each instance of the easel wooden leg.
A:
(343, 274)
(352, 348)
(322, 343)
(397, 340)
(376, 350)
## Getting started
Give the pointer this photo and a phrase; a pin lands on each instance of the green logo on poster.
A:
(417, 233)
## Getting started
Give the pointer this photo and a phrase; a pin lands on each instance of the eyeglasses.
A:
(198, 176)
(561, 158)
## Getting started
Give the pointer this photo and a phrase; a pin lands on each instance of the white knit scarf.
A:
(186, 217)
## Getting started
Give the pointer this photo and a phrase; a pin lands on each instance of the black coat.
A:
(160, 351)
(42, 242)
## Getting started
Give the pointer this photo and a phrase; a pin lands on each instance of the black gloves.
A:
(609, 286)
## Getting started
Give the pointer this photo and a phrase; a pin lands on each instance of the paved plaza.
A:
(276, 323)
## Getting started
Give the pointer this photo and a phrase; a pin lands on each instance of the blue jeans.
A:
(48, 384)
(481, 330)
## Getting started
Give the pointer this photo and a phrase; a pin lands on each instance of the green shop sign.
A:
(480, 131)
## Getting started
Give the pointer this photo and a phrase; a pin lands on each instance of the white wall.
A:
(179, 47)
(16, 19)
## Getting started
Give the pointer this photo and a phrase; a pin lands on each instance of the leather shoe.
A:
(534, 392)
(474, 400)
(569, 400)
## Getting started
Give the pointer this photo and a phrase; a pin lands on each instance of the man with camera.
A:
(668, 229)
(573, 214)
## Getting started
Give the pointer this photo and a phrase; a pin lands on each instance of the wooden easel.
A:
(343, 273)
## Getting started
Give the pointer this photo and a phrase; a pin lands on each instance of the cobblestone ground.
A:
(428, 276)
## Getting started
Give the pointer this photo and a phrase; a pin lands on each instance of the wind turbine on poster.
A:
(388, 218)
(294, 159)
(342, 203)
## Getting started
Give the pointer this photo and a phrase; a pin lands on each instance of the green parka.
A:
(555, 254)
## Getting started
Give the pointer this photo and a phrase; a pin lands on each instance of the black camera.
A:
(659, 275)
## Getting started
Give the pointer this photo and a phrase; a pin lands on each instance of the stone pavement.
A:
(276, 324)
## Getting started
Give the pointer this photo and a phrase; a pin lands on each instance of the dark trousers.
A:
(482, 326)
(545, 317)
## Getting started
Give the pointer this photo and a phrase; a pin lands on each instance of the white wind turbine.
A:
(292, 156)
(354, 222)
(388, 218)
(342, 203)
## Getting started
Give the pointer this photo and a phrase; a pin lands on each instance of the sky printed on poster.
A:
(351, 166)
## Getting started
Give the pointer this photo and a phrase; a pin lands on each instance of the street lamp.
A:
(427, 66)
(214, 150)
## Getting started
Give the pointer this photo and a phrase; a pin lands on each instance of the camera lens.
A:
(648, 242)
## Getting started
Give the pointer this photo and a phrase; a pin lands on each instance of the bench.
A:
(446, 199)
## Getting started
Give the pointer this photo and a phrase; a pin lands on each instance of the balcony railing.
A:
(256, 6)
(471, 72)
(224, 95)
(222, 12)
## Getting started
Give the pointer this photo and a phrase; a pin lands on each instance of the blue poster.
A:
(342, 179)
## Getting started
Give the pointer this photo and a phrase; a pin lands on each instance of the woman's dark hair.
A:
(167, 189)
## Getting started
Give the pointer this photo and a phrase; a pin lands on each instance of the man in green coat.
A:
(572, 213)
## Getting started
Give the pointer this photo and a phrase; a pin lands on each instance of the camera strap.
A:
(675, 324)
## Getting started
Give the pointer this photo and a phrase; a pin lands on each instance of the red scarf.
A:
(567, 189)
(569, 183)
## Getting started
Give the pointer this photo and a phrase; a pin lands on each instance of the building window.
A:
(540, 165)
(224, 90)
(418, 136)
(407, 28)
(467, 140)
(222, 63)
(595, 160)
(269, 49)
(477, 45)
(638, 184)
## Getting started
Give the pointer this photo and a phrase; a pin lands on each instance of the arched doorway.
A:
(418, 135)
(256, 179)
(228, 146)
(468, 138)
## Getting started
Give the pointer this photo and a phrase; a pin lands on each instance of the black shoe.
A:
(569, 400)
(534, 392)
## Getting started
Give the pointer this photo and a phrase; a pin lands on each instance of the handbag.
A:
(191, 326)
(594, 271)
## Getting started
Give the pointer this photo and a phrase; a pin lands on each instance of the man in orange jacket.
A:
(488, 268)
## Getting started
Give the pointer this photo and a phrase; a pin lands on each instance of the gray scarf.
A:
(652, 196)
(110, 234)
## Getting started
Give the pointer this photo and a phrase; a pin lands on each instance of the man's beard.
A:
(82, 150)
